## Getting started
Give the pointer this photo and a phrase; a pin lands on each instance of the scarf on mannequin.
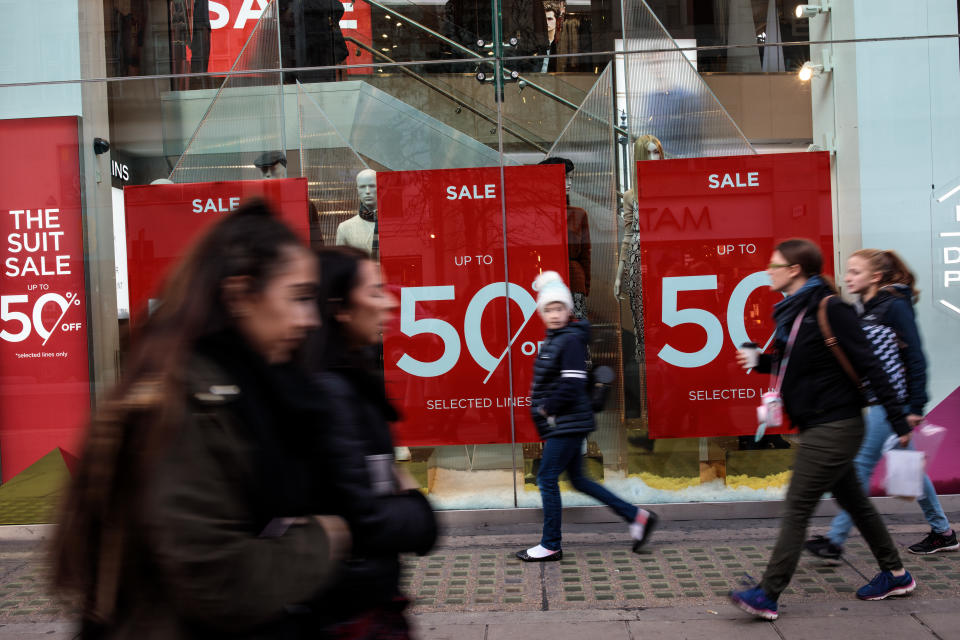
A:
(371, 216)
(786, 311)
(367, 214)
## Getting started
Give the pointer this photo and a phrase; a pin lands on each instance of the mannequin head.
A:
(647, 147)
(272, 164)
(367, 188)
(552, 14)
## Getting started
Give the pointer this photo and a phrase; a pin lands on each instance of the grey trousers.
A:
(824, 462)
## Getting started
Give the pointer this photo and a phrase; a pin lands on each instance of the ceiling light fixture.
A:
(811, 10)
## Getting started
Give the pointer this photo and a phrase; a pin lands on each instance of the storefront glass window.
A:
(596, 139)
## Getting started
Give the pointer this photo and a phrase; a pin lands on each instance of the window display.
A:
(404, 130)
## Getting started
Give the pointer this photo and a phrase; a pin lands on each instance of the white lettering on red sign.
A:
(216, 205)
(33, 235)
(733, 180)
(220, 14)
(465, 192)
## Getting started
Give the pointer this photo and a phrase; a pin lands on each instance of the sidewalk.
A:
(471, 587)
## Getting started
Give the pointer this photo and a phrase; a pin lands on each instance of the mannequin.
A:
(627, 281)
(310, 36)
(572, 37)
(552, 15)
(578, 245)
(648, 147)
(360, 231)
(273, 166)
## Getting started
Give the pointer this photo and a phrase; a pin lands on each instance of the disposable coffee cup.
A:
(752, 351)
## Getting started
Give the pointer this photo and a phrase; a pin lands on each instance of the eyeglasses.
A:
(779, 265)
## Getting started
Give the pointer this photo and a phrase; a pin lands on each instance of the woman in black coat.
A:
(386, 511)
(825, 405)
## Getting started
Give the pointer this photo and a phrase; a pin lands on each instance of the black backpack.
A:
(886, 346)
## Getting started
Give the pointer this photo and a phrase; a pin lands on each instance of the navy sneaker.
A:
(884, 585)
(756, 602)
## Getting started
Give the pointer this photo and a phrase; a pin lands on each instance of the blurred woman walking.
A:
(386, 511)
(192, 513)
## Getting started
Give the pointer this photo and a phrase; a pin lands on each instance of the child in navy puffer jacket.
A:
(563, 415)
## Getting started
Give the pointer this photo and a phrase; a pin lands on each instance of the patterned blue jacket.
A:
(559, 401)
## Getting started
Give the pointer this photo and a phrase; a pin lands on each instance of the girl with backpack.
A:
(563, 415)
(887, 295)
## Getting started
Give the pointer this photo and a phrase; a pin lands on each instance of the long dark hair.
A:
(339, 276)
(132, 426)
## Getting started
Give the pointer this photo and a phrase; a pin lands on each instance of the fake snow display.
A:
(453, 489)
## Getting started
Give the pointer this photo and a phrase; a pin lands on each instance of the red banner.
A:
(44, 365)
(163, 219)
(442, 250)
(232, 22)
(707, 229)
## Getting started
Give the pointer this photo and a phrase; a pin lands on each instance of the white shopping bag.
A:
(905, 471)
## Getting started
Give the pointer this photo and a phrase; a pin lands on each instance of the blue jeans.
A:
(562, 453)
(877, 432)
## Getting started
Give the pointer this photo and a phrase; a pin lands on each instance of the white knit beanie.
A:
(550, 288)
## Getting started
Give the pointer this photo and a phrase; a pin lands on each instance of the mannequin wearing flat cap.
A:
(273, 166)
(578, 245)
(361, 231)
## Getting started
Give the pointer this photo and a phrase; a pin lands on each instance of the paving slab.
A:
(448, 631)
(37, 630)
(718, 628)
(845, 626)
(945, 625)
(558, 631)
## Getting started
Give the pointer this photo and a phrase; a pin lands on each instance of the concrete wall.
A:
(38, 45)
(892, 112)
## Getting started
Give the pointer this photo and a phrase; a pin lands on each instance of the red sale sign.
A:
(707, 228)
(467, 322)
(44, 365)
(162, 220)
(232, 22)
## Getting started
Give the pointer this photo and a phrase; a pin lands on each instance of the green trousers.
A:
(824, 462)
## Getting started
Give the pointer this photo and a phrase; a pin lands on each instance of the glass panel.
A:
(331, 167)
(247, 102)
(667, 99)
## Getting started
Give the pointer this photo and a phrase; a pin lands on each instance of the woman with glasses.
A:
(824, 403)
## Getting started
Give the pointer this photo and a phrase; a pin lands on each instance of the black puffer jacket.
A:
(816, 389)
(559, 401)
(383, 522)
